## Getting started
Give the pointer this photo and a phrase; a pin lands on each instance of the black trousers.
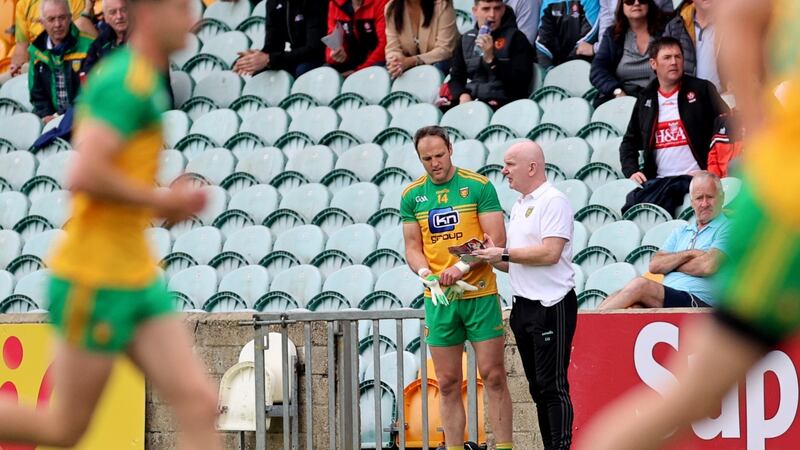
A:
(544, 340)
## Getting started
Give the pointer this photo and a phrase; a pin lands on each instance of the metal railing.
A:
(343, 378)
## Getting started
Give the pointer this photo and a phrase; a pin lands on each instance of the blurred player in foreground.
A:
(106, 296)
(759, 284)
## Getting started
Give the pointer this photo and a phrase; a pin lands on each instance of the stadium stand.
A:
(304, 178)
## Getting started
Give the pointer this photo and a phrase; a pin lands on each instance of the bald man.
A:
(545, 309)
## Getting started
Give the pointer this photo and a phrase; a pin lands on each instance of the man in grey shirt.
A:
(527, 12)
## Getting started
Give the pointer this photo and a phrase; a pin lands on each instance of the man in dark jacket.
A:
(111, 32)
(567, 30)
(299, 24)
(56, 58)
(498, 65)
(672, 122)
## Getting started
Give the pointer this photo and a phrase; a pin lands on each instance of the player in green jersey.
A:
(106, 296)
(759, 283)
(448, 207)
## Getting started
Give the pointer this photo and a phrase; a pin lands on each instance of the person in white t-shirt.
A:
(544, 314)
(672, 123)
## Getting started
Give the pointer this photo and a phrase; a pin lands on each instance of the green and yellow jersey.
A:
(447, 215)
(105, 243)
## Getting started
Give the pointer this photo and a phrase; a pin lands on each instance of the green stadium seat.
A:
(223, 88)
(393, 239)
(422, 82)
(520, 116)
(572, 76)
(17, 167)
(353, 283)
(576, 191)
(357, 241)
(55, 207)
(160, 242)
(269, 124)
(316, 122)
(647, 215)
(657, 235)
(313, 162)
(16, 89)
(21, 130)
(360, 200)
(568, 154)
(302, 283)
(197, 284)
(616, 112)
(253, 243)
(202, 244)
(469, 154)
(571, 115)
(214, 165)
(231, 14)
(611, 278)
(469, 119)
(34, 286)
(13, 208)
(219, 126)
(10, 247)
(264, 164)
(621, 237)
(250, 283)
(322, 84)
(202, 65)
(272, 86)
(415, 117)
(364, 161)
(176, 125)
(401, 282)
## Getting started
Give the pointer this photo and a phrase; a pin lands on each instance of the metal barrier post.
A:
(423, 356)
(309, 387)
(376, 382)
(472, 395)
(400, 396)
(347, 386)
(261, 413)
(287, 423)
(331, 386)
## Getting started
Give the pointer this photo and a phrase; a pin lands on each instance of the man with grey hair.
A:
(56, 57)
(537, 258)
(691, 254)
(112, 31)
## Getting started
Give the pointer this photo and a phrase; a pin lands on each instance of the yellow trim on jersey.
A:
(473, 176)
(419, 181)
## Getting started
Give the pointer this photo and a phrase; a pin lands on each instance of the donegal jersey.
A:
(447, 215)
(105, 243)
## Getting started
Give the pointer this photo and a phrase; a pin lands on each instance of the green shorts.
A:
(474, 319)
(104, 320)
(759, 283)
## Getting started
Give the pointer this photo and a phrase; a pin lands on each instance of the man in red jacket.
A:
(364, 26)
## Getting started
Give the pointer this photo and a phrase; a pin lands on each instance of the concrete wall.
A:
(218, 340)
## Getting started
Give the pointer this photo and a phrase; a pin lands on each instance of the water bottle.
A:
(484, 30)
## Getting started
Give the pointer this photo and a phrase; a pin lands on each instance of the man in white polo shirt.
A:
(545, 306)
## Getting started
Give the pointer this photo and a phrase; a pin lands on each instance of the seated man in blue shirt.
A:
(690, 256)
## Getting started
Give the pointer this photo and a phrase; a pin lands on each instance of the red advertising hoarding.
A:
(614, 352)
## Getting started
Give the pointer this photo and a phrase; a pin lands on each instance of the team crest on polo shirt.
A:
(528, 212)
(691, 97)
(76, 66)
(463, 192)
(499, 43)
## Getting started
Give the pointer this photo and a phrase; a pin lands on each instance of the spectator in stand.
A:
(301, 25)
(364, 26)
(497, 67)
(56, 56)
(28, 25)
(608, 10)
(691, 255)
(419, 32)
(112, 32)
(673, 122)
(567, 30)
(527, 12)
(694, 27)
(622, 66)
